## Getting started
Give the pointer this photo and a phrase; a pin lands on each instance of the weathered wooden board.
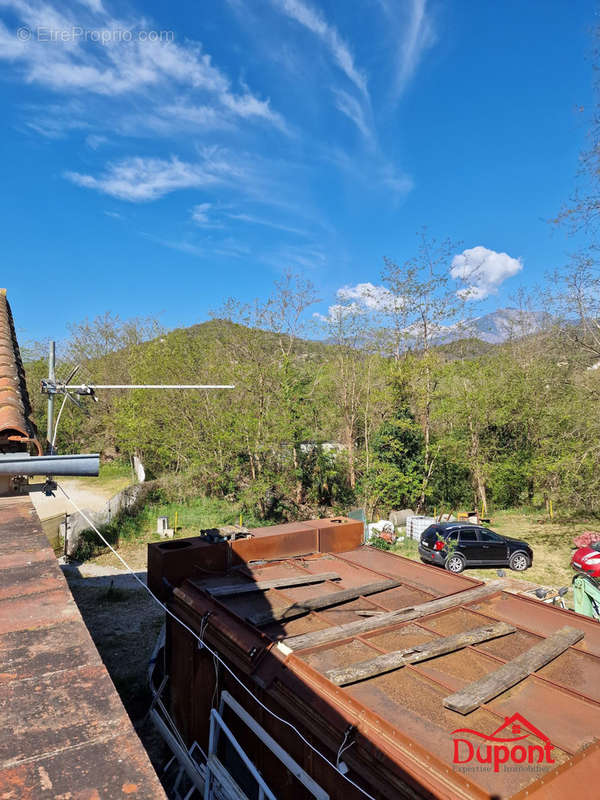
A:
(325, 601)
(314, 638)
(511, 673)
(388, 662)
(227, 589)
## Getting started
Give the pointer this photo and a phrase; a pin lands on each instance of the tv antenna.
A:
(53, 387)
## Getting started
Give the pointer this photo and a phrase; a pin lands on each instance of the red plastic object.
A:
(587, 561)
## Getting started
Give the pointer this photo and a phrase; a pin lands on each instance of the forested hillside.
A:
(373, 413)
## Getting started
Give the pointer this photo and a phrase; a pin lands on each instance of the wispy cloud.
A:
(227, 247)
(311, 19)
(124, 63)
(375, 171)
(183, 247)
(304, 258)
(354, 110)
(200, 213)
(141, 179)
(413, 32)
(203, 216)
(95, 140)
(56, 120)
(252, 220)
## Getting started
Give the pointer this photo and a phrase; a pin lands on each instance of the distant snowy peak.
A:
(494, 328)
(505, 323)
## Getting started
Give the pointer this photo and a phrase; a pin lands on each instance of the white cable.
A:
(212, 652)
(342, 748)
(58, 420)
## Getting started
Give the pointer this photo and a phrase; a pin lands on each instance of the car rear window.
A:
(430, 534)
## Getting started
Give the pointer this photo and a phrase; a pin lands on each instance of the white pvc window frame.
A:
(217, 724)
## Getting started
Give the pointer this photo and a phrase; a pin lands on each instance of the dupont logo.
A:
(505, 746)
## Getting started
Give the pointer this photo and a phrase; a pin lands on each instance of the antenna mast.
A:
(52, 387)
(51, 378)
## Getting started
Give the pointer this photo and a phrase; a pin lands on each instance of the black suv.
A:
(456, 545)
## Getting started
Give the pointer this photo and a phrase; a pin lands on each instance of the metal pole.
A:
(52, 377)
(151, 386)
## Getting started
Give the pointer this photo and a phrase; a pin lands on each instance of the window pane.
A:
(468, 535)
(488, 536)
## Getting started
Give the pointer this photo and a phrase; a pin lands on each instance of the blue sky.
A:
(203, 149)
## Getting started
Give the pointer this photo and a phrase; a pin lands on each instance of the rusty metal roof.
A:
(404, 734)
(64, 732)
(16, 428)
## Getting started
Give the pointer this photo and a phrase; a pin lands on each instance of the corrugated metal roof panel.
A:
(403, 732)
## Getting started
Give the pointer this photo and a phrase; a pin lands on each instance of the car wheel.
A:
(455, 564)
(518, 562)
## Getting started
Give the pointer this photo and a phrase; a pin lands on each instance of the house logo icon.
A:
(505, 745)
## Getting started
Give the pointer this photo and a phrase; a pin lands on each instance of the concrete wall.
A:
(126, 498)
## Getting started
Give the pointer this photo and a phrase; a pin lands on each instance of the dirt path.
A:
(87, 494)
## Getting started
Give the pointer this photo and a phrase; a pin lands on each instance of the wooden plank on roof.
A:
(325, 601)
(511, 673)
(226, 589)
(305, 640)
(388, 662)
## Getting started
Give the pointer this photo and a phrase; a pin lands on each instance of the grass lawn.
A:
(550, 540)
(114, 476)
(135, 532)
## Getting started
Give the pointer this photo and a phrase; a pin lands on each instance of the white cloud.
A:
(311, 19)
(369, 296)
(339, 312)
(482, 271)
(140, 179)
